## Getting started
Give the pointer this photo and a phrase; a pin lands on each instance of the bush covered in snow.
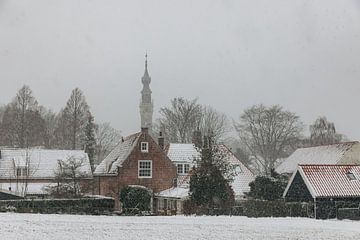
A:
(135, 199)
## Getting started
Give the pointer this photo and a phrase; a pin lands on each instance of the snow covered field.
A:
(36, 226)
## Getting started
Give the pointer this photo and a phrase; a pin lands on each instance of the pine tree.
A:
(90, 142)
(210, 180)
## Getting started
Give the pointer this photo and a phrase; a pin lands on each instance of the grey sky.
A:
(303, 55)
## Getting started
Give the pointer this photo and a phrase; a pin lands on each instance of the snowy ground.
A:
(36, 226)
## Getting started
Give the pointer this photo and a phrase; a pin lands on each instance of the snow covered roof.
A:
(328, 154)
(41, 163)
(243, 176)
(118, 155)
(182, 152)
(330, 180)
(174, 192)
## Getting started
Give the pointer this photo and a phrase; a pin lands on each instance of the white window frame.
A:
(188, 170)
(178, 168)
(183, 172)
(146, 147)
(144, 161)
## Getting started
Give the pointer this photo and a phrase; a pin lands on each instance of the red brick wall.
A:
(163, 170)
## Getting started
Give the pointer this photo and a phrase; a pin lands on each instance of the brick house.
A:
(137, 160)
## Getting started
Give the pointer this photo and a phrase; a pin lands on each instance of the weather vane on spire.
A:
(146, 55)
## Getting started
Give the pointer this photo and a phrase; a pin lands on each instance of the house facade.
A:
(27, 172)
(137, 160)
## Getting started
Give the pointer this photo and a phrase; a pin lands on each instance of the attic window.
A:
(351, 176)
(144, 147)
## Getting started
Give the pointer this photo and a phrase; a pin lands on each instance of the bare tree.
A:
(24, 102)
(214, 123)
(107, 138)
(268, 132)
(68, 178)
(323, 132)
(180, 119)
(73, 120)
(22, 125)
(183, 117)
(50, 120)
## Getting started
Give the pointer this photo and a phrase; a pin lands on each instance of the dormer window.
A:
(21, 171)
(144, 147)
(351, 176)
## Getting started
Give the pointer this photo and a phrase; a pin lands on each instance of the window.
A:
(21, 171)
(183, 168)
(144, 146)
(351, 176)
(186, 168)
(145, 168)
(179, 168)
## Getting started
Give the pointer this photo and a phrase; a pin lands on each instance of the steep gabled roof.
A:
(42, 163)
(328, 154)
(330, 180)
(118, 155)
(243, 176)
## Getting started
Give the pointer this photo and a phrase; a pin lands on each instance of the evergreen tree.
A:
(268, 188)
(210, 180)
(90, 142)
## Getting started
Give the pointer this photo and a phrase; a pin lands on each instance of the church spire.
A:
(146, 104)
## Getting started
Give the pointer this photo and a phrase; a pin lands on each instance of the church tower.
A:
(146, 104)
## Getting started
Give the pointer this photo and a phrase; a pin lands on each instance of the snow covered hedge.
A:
(69, 206)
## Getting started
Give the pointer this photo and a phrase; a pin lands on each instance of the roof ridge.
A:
(330, 165)
(332, 144)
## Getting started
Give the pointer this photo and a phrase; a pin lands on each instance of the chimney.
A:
(161, 141)
(145, 130)
(197, 138)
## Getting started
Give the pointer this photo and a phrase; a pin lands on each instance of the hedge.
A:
(93, 206)
(278, 208)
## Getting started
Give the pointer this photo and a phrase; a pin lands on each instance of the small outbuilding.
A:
(328, 187)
